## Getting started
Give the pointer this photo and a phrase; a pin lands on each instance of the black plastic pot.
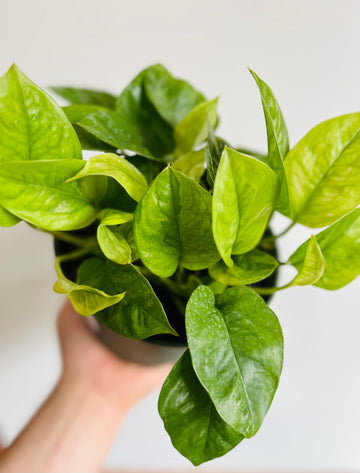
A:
(156, 349)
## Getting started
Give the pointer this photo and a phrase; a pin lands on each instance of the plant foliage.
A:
(171, 208)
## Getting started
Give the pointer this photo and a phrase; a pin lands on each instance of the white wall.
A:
(308, 52)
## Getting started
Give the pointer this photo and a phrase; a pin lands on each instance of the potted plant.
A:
(164, 234)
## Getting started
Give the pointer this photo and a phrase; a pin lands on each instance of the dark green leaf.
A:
(247, 269)
(85, 96)
(340, 245)
(172, 98)
(112, 165)
(35, 191)
(236, 347)
(172, 224)
(194, 128)
(190, 418)
(135, 108)
(278, 140)
(244, 195)
(323, 172)
(32, 125)
(140, 314)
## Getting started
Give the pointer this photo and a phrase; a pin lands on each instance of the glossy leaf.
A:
(111, 238)
(86, 96)
(169, 230)
(213, 151)
(194, 128)
(247, 269)
(323, 172)
(140, 315)
(236, 348)
(86, 300)
(190, 418)
(340, 245)
(191, 164)
(244, 195)
(115, 130)
(312, 267)
(172, 98)
(278, 139)
(112, 165)
(35, 191)
(32, 125)
(135, 108)
(7, 219)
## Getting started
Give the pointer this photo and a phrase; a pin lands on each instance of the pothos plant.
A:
(176, 242)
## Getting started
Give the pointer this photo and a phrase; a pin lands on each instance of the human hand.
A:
(87, 360)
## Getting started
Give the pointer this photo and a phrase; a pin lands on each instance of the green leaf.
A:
(172, 98)
(236, 347)
(244, 195)
(340, 245)
(35, 191)
(140, 315)
(172, 224)
(213, 151)
(191, 164)
(312, 267)
(194, 128)
(32, 125)
(190, 418)
(247, 269)
(75, 114)
(135, 108)
(85, 299)
(112, 165)
(86, 96)
(278, 140)
(115, 130)
(323, 172)
(7, 219)
(111, 238)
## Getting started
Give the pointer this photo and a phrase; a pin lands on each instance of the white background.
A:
(308, 51)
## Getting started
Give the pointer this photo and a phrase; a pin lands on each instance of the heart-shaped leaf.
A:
(236, 347)
(245, 191)
(323, 172)
(247, 269)
(140, 315)
(32, 125)
(168, 231)
(340, 246)
(190, 418)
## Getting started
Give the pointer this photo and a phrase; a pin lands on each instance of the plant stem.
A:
(69, 238)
